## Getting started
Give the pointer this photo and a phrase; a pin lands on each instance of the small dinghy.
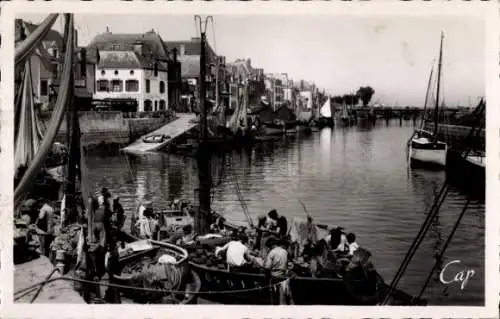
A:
(155, 138)
(160, 266)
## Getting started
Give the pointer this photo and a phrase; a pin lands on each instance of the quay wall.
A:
(454, 135)
(109, 127)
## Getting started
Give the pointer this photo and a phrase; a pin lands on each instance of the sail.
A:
(27, 47)
(326, 109)
(63, 100)
(28, 138)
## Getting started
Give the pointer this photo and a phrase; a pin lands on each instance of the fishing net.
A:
(152, 275)
(67, 240)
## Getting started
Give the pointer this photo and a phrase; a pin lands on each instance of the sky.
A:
(391, 54)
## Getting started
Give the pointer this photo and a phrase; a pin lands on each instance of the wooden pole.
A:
(203, 216)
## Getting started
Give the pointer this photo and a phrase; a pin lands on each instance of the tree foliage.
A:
(365, 94)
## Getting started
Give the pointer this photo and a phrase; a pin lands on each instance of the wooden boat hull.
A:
(254, 288)
(192, 279)
(426, 153)
(335, 290)
(465, 172)
(273, 129)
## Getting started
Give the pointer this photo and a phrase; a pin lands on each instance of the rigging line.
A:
(418, 239)
(440, 256)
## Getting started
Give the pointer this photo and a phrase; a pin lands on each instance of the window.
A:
(148, 84)
(102, 86)
(44, 88)
(117, 85)
(103, 72)
(156, 105)
(162, 87)
(132, 85)
(148, 106)
(163, 105)
(131, 72)
(116, 72)
(54, 53)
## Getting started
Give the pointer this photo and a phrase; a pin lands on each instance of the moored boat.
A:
(424, 147)
(467, 171)
(253, 286)
(156, 265)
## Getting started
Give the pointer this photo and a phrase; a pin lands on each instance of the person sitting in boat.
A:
(237, 253)
(276, 262)
(337, 241)
(351, 243)
(219, 226)
(266, 228)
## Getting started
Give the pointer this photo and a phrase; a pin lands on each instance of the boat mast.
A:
(436, 108)
(203, 214)
(426, 99)
(73, 138)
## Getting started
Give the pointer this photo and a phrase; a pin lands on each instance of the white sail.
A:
(326, 110)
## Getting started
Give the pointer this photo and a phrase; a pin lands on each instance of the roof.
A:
(191, 48)
(153, 46)
(124, 60)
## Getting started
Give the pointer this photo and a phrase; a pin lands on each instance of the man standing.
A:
(277, 260)
(45, 225)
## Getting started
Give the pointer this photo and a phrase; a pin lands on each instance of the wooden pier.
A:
(184, 123)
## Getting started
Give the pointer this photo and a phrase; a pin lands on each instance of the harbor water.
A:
(355, 177)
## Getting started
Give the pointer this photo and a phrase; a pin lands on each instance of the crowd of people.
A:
(275, 245)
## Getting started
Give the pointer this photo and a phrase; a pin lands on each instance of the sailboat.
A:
(424, 147)
(325, 115)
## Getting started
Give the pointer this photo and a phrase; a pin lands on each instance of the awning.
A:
(110, 102)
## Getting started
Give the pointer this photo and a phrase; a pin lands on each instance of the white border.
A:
(488, 10)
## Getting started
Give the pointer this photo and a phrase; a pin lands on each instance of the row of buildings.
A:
(144, 73)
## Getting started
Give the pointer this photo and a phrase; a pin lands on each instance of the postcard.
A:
(250, 160)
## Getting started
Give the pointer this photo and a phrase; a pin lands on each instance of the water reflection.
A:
(357, 178)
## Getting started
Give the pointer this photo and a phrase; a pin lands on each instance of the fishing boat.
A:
(466, 168)
(424, 148)
(252, 286)
(158, 265)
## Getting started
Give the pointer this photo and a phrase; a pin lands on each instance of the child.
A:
(351, 243)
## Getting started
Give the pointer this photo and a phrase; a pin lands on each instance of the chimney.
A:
(175, 54)
(138, 47)
(183, 50)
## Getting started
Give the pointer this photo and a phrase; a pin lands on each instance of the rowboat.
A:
(140, 261)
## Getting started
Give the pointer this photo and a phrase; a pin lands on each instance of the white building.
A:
(121, 75)
(132, 68)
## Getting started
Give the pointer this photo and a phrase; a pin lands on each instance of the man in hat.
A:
(276, 262)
